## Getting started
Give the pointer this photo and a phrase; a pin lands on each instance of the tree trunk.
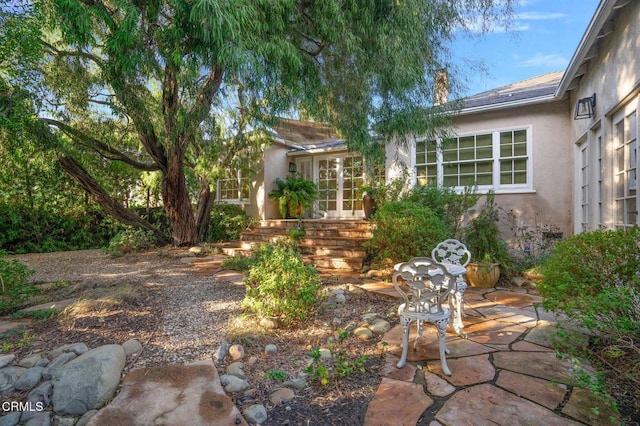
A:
(205, 205)
(108, 204)
(177, 204)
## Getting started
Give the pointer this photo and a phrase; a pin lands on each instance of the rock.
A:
(11, 419)
(268, 323)
(270, 349)
(41, 394)
(30, 361)
(236, 352)
(43, 362)
(380, 326)
(520, 281)
(64, 421)
(131, 346)
(281, 396)
(233, 384)
(56, 364)
(196, 251)
(86, 417)
(40, 419)
(252, 360)
(336, 322)
(363, 333)
(8, 378)
(236, 369)
(325, 353)
(340, 298)
(6, 360)
(299, 383)
(255, 414)
(29, 379)
(76, 348)
(89, 381)
(221, 352)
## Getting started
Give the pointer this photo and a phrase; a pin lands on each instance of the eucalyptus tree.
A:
(183, 87)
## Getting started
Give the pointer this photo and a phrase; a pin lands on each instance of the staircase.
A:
(327, 244)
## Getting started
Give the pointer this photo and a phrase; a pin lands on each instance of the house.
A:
(559, 150)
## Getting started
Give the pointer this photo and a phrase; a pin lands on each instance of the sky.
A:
(543, 37)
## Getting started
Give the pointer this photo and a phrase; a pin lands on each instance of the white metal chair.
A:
(424, 285)
(454, 252)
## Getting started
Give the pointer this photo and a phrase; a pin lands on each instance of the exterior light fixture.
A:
(584, 107)
(292, 168)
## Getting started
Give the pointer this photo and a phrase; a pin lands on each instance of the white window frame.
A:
(496, 186)
(240, 182)
(628, 147)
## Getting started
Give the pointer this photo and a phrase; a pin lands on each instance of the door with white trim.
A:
(339, 179)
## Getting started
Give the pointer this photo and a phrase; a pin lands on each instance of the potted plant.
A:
(294, 195)
(488, 250)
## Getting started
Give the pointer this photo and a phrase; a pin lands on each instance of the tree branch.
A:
(104, 149)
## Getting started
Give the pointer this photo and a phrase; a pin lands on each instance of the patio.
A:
(505, 373)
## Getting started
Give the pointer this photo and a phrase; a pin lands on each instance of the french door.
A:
(339, 179)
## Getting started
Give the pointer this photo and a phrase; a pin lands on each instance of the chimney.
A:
(441, 89)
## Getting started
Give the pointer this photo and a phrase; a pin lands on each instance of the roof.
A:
(600, 26)
(534, 90)
(299, 133)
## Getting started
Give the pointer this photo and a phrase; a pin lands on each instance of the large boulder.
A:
(89, 381)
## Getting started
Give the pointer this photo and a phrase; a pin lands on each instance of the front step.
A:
(330, 244)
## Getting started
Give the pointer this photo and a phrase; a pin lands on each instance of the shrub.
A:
(130, 241)
(446, 203)
(14, 288)
(403, 230)
(227, 222)
(279, 285)
(40, 231)
(594, 278)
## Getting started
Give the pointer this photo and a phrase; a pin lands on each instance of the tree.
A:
(170, 86)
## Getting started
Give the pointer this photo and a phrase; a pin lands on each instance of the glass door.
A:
(340, 179)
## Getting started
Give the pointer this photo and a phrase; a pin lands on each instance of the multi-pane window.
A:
(491, 160)
(625, 139)
(233, 188)
(584, 187)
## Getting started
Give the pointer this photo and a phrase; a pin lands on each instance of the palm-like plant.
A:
(294, 195)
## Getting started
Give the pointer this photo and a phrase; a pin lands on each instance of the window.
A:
(625, 128)
(498, 160)
(233, 188)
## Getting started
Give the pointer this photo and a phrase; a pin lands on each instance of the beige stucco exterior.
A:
(550, 199)
(607, 64)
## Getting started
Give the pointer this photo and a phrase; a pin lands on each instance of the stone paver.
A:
(171, 395)
(489, 405)
(466, 371)
(6, 325)
(398, 402)
(546, 393)
(506, 373)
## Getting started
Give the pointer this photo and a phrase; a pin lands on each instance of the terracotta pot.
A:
(483, 275)
(369, 205)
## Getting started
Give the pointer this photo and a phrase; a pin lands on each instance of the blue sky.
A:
(543, 38)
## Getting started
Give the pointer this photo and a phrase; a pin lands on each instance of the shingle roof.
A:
(543, 86)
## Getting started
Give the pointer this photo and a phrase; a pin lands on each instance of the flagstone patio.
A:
(504, 373)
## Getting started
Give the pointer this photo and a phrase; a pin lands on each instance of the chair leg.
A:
(442, 331)
(420, 326)
(405, 322)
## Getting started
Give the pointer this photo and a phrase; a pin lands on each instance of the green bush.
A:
(27, 230)
(227, 222)
(594, 278)
(130, 241)
(14, 288)
(279, 285)
(446, 203)
(403, 230)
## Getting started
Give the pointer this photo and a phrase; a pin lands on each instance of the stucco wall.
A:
(275, 165)
(615, 72)
(550, 202)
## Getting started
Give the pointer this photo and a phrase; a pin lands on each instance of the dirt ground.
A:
(182, 314)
